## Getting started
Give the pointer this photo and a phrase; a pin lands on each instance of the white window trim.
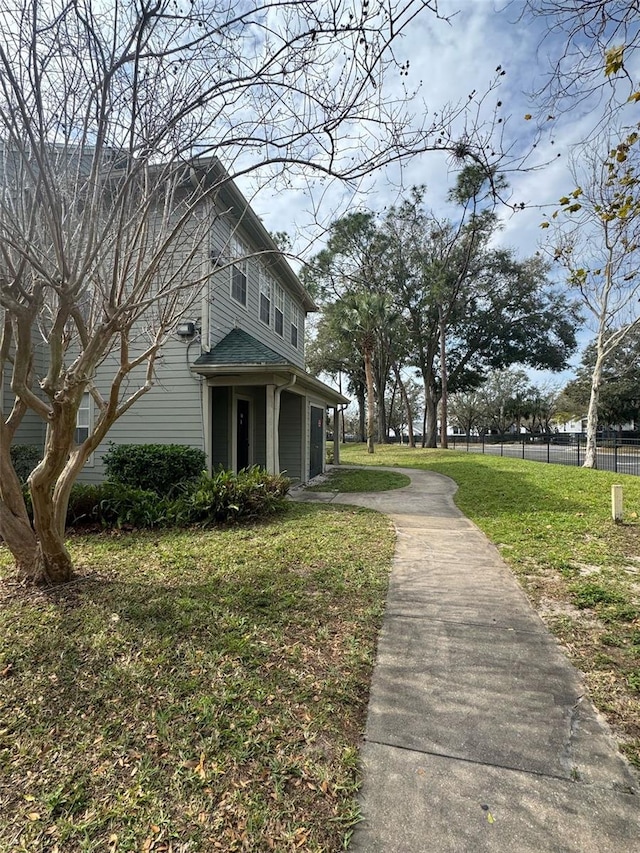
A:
(238, 258)
(295, 315)
(88, 408)
(265, 288)
(278, 305)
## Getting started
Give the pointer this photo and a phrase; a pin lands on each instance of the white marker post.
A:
(616, 503)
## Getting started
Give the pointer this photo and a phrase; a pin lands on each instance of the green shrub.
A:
(229, 497)
(153, 467)
(25, 457)
(115, 505)
(225, 497)
(127, 505)
(84, 504)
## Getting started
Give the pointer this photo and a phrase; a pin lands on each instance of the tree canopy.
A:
(462, 306)
(619, 398)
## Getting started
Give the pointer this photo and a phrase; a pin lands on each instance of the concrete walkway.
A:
(479, 736)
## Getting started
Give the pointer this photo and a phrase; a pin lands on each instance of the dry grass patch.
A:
(193, 691)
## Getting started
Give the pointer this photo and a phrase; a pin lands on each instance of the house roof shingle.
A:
(239, 347)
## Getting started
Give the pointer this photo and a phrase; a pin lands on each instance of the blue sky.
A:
(447, 61)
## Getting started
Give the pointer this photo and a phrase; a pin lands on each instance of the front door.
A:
(242, 435)
(316, 441)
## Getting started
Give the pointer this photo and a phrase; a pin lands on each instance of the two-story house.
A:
(232, 379)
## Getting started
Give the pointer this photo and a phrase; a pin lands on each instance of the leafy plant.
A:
(154, 467)
(229, 497)
(125, 505)
(84, 503)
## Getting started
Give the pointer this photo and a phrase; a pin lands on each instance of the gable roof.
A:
(211, 170)
(239, 347)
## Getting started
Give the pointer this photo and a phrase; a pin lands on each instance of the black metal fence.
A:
(621, 455)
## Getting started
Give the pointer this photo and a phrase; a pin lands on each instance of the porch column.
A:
(337, 414)
(271, 427)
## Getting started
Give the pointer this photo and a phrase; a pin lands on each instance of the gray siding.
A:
(31, 430)
(227, 314)
(170, 413)
(291, 439)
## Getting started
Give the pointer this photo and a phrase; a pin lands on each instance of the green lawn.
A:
(359, 480)
(552, 524)
(193, 691)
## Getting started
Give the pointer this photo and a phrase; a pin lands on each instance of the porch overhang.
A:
(270, 374)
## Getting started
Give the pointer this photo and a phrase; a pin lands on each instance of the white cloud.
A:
(448, 61)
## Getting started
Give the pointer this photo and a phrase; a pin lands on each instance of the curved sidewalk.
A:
(479, 736)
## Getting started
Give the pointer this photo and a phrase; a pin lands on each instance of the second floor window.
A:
(239, 267)
(266, 290)
(295, 325)
(278, 310)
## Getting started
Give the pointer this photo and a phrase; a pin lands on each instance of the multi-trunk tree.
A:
(470, 307)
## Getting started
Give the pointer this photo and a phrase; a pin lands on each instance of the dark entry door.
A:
(316, 436)
(242, 435)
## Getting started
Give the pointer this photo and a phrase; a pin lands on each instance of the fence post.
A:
(483, 444)
(578, 438)
(548, 449)
(616, 503)
(615, 456)
(523, 448)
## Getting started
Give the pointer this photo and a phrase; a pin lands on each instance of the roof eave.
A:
(270, 367)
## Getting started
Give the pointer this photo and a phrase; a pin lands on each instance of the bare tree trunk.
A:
(381, 383)
(590, 458)
(15, 526)
(368, 371)
(430, 421)
(444, 381)
(39, 552)
(53, 563)
(431, 413)
(362, 415)
(407, 405)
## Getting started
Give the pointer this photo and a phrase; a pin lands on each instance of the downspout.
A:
(205, 390)
(276, 418)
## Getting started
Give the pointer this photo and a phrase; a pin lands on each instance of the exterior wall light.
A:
(186, 329)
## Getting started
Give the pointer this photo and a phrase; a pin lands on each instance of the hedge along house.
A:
(231, 380)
